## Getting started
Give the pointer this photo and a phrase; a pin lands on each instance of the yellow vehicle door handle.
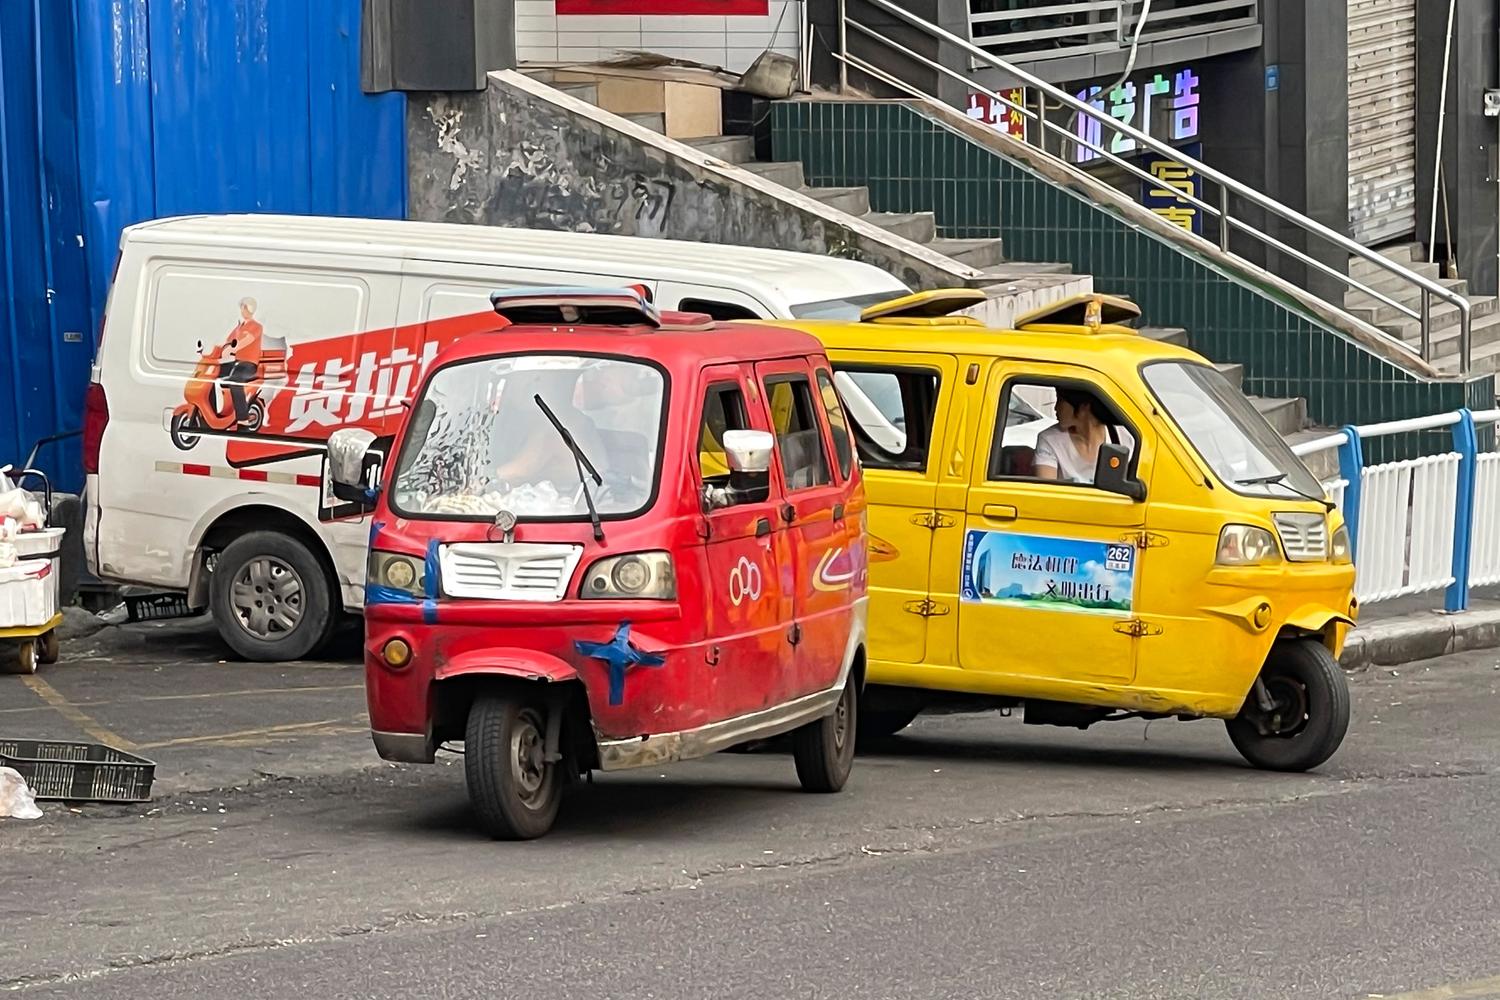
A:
(1000, 512)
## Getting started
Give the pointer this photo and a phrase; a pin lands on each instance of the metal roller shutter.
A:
(1382, 119)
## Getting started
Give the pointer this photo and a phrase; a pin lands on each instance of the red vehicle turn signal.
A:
(397, 653)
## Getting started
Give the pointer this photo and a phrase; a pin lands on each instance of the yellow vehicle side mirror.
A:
(1112, 473)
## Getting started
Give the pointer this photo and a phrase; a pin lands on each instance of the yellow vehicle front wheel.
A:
(1297, 715)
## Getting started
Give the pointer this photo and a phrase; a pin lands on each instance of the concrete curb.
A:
(1420, 637)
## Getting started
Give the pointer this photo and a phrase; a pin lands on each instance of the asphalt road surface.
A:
(971, 857)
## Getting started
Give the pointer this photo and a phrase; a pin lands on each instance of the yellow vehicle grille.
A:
(1304, 537)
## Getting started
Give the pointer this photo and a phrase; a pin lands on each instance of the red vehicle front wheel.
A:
(514, 790)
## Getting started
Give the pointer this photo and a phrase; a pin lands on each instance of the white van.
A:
(234, 345)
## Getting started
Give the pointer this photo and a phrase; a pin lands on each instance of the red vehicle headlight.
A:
(639, 575)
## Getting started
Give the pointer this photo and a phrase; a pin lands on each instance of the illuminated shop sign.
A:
(1164, 107)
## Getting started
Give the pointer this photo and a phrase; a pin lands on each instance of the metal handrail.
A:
(1227, 185)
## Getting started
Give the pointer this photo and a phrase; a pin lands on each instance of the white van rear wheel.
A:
(271, 598)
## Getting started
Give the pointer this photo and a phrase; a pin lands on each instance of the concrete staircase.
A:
(1012, 286)
(1485, 316)
(1018, 285)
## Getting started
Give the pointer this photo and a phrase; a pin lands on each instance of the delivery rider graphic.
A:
(239, 359)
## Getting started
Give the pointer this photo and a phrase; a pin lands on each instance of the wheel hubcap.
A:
(267, 597)
(528, 764)
(841, 721)
(1288, 715)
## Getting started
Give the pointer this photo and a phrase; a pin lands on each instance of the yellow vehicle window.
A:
(1053, 430)
(799, 438)
(891, 412)
(843, 450)
(723, 410)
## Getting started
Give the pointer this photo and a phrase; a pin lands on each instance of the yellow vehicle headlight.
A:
(1246, 545)
(1340, 550)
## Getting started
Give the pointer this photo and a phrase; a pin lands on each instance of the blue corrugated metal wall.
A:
(150, 108)
(45, 339)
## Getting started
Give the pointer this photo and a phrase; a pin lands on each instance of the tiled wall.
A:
(729, 41)
(910, 162)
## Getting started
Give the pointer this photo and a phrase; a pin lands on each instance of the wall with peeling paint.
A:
(506, 157)
(138, 109)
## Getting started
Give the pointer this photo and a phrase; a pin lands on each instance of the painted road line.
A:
(246, 734)
(75, 715)
(244, 692)
(1478, 989)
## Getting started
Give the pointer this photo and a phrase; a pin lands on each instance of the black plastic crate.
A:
(79, 772)
(155, 607)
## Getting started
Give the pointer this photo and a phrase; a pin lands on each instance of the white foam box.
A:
(28, 593)
(35, 544)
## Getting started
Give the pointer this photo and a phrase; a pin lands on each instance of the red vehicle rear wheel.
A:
(824, 750)
(514, 790)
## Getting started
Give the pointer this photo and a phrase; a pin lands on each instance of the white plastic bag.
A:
(16, 800)
(19, 504)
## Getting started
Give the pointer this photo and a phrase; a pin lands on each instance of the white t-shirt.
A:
(1055, 448)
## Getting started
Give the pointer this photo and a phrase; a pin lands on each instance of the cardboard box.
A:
(689, 110)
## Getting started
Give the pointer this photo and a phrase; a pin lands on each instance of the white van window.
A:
(717, 310)
(245, 312)
(846, 308)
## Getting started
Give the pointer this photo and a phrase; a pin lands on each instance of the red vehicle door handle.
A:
(762, 527)
(838, 512)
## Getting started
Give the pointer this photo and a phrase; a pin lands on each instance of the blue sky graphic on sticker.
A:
(620, 655)
(1042, 572)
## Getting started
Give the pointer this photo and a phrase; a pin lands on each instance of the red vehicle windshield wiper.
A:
(583, 464)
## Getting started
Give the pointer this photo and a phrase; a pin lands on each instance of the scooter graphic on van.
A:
(223, 394)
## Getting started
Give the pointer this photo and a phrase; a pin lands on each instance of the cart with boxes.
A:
(30, 554)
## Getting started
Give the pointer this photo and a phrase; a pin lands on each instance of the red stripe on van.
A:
(306, 480)
(254, 475)
(195, 470)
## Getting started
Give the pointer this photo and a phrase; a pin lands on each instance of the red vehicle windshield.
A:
(487, 436)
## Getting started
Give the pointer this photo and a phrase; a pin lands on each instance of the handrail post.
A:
(1223, 218)
(1351, 468)
(1426, 322)
(1465, 339)
(843, 46)
(1466, 443)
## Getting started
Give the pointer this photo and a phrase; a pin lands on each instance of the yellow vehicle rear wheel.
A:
(1307, 715)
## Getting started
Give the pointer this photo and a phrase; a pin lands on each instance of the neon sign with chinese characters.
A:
(1005, 117)
(1163, 107)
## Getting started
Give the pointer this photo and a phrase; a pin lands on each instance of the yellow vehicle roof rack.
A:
(926, 307)
(1090, 309)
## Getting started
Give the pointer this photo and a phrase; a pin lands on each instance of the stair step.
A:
(1234, 373)
(1484, 334)
(975, 253)
(585, 92)
(1166, 334)
(656, 121)
(729, 148)
(852, 200)
(919, 227)
(1444, 314)
(1014, 268)
(1287, 416)
(1398, 288)
(1408, 255)
(1445, 330)
(786, 174)
(1323, 464)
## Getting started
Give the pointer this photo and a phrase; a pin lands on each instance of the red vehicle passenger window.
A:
(723, 410)
(799, 439)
